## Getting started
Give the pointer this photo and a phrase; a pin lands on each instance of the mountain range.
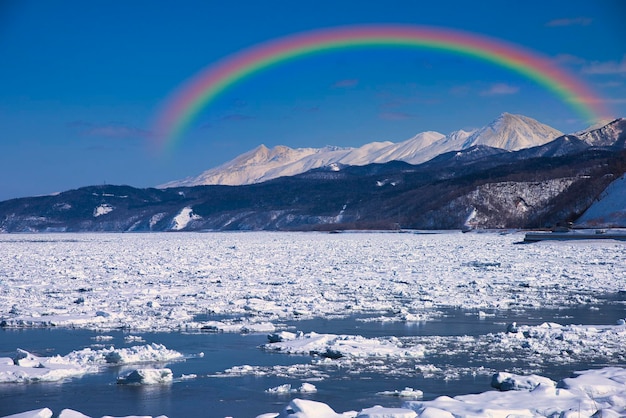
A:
(512, 173)
(508, 132)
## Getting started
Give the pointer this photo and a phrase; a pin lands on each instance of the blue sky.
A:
(83, 80)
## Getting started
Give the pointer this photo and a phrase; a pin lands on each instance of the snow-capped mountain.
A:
(509, 132)
(612, 134)
(478, 187)
(512, 132)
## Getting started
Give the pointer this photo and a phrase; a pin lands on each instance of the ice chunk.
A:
(286, 388)
(404, 393)
(135, 416)
(27, 367)
(380, 412)
(38, 413)
(307, 388)
(25, 359)
(69, 413)
(146, 377)
(301, 408)
(430, 412)
(509, 381)
(353, 346)
(585, 394)
(282, 389)
(597, 383)
(281, 336)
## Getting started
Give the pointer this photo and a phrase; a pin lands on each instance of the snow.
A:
(512, 200)
(513, 132)
(182, 219)
(610, 208)
(510, 132)
(103, 209)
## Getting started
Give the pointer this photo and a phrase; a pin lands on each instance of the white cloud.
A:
(499, 89)
(570, 21)
(607, 67)
(395, 116)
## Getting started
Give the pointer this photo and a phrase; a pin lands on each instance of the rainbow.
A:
(186, 102)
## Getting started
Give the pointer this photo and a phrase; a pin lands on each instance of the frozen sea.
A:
(361, 316)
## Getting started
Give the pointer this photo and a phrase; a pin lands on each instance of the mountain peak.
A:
(612, 134)
(508, 131)
(513, 132)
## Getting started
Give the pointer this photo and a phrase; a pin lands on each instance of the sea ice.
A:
(286, 388)
(70, 413)
(38, 413)
(508, 381)
(165, 282)
(67, 413)
(26, 367)
(338, 346)
(404, 393)
(380, 412)
(302, 408)
(146, 377)
(250, 282)
(589, 393)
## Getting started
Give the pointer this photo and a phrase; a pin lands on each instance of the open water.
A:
(244, 396)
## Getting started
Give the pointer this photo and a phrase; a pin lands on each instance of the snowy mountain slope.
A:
(510, 132)
(262, 164)
(612, 134)
(499, 190)
(609, 210)
(247, 168)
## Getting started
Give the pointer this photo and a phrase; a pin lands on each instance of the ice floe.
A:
(404, 393)
(165, 282)
(250, 283)
(535, 347)
(26, 367)
(591, 393)
(338, 346)
(66, 413)
(286, 388)
(588, 393)
(146, 377)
